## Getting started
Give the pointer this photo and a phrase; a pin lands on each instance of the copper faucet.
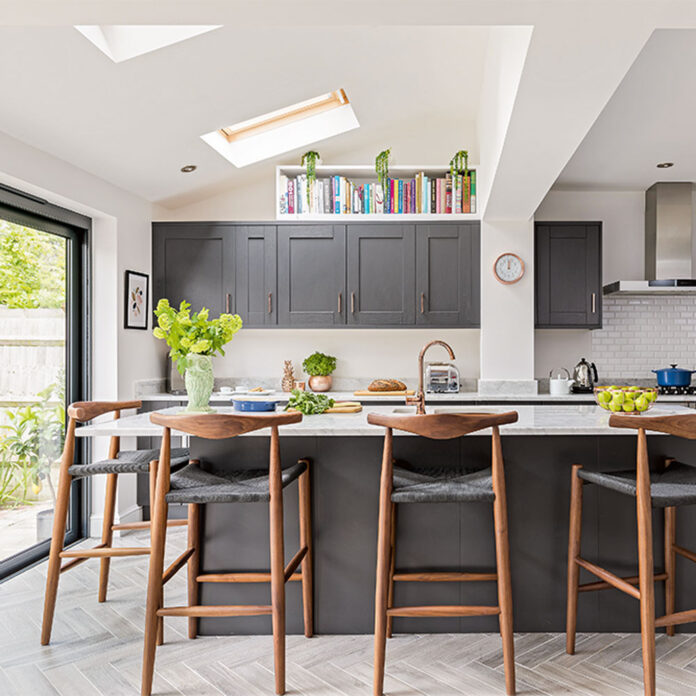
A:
(419, 397)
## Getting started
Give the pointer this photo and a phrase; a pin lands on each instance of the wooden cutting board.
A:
(403, 392)
(341, 407)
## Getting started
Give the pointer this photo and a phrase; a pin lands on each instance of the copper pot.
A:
(320, 383)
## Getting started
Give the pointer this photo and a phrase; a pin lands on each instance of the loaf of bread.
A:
(384, 385)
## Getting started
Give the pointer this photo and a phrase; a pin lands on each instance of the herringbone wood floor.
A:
(96, 650)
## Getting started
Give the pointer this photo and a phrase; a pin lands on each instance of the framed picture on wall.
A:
(136, 300)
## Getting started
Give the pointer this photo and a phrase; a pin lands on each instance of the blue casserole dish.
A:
(674, 376)
(254, 405)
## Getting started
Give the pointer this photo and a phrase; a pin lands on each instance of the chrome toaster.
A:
(441, 378)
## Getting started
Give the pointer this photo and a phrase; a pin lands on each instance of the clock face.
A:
(508, 268)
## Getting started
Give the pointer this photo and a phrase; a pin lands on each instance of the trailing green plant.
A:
(31, 441)
(319, 364)
(459, 163)
(187, 333)
(382, 167)
(309, 160)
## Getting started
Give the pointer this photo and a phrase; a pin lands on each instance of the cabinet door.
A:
(311, 275)
(194, 262)
(381, 274)
(448, 275)
(568, 275)
(255, 279)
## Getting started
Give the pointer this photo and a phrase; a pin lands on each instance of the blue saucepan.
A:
(254, 405)
(674, 376)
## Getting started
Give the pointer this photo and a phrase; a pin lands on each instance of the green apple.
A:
(651, 395)
(618, 397)
(604, 405)
(615, 405)
(629, 406)
(642, 403)
(604, 397)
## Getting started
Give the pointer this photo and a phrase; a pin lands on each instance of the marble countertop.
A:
(467, 397)
(571, 419)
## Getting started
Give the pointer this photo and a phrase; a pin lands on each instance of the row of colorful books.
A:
(337, 195)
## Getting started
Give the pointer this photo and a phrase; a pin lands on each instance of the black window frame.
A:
(35, 212)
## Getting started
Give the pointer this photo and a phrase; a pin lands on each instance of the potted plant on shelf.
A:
(382, 167)
(459, 164)
(193, 339)
(319, 368)
(309, 161)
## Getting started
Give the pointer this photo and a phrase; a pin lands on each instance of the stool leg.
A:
(392, 566)
(60, 518)
(574, 540)
(670, 562)
(277, 563)
(158, 531)
(160, 619)
(645, 565)
(194, 517)
(307, 563)
(107, 532)
(502, 551)
(382, 588)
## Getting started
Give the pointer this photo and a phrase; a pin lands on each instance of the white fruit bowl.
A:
(632, 401)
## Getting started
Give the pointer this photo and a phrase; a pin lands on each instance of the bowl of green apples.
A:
(633, 400)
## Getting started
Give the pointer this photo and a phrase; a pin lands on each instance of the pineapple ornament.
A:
(288, 380)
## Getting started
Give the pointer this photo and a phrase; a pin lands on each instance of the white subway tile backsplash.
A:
(642, 334)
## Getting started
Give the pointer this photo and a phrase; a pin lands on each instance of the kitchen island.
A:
(346, 454)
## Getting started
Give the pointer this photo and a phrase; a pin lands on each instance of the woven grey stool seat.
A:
(129, 462)
(195, 485)
(441, 485)
(676, 485)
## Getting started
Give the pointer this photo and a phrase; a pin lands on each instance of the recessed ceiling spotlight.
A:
(188, 168)
(665, 165)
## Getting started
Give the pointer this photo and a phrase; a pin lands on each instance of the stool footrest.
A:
(633, 580)
(606, 576)
(176, 565)
(101, 552)
(681, 617)
(76, 561)
(243, 577)
(444, 610)
(208, 611)
(444, 577)
(684, 553)
(146, 525)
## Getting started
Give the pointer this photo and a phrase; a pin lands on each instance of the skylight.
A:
(285, 129)
(121, 42)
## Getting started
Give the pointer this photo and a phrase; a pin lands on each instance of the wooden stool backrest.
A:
(442, 426)
(681, 425)
(82, 411)
(220, 426)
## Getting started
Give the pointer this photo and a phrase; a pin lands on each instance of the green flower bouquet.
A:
(193, 339)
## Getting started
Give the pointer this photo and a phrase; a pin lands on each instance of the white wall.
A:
(623, 234)
(121, 240)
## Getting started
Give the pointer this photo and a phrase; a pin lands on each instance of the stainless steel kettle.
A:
(584, 376)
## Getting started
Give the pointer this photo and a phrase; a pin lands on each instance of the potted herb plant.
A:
(193, 339)
(319, 368)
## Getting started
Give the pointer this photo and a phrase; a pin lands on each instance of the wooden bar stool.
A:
(195, 486)
(118, 462)
(414, 485)
(675, 485)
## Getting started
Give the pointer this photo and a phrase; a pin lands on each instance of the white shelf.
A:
(359, 172)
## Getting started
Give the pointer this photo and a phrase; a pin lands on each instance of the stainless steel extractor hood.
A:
(670, 244)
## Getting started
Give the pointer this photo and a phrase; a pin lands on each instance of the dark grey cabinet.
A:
(194, 262)
(256, 296)
(311, 275)
(448, 275)
(381, 274)
(568, 275)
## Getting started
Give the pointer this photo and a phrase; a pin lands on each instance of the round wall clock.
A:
(508, 268)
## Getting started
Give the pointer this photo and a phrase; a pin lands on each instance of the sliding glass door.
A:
(41, 370)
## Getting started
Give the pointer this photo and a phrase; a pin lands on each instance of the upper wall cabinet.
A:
(568, 274)
(448, 275)
(256, 275)
(194, 262)
(311, 275)
(381, 274)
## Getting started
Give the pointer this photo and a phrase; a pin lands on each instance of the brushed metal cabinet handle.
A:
(352, 303)
(270, 303)
(422, 303)
(340, 302)
(594, 302)
(227, 303)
